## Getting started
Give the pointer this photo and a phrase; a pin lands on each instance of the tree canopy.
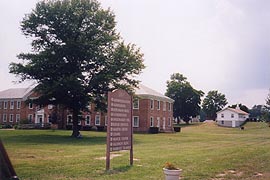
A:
(212, 103)
(241, 106)
(77, 56)
(187, 100)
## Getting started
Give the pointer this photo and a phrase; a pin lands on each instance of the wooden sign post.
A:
(6, 169)
(119, 128)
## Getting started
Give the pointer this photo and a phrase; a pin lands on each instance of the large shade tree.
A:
(267, 112)
(241, 106)
(77, 56)
(212, 103)
(187, 100)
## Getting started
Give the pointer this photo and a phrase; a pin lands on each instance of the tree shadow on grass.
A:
(53, 139)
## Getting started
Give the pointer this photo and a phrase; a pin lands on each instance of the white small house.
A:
(230, 117)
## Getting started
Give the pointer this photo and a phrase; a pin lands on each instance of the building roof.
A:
(141, 91)
(238, 111)
(15, 93)
(144, 91)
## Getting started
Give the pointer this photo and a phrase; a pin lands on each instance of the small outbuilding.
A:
(230, 117)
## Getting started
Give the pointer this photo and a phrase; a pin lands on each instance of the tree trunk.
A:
(178, 120)
(76, 132)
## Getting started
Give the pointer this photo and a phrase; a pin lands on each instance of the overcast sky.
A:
(219, 45)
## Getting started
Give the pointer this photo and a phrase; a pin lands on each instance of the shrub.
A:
(153, 130)
(177, 129)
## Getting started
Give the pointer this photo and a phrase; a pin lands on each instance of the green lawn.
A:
(203, 151)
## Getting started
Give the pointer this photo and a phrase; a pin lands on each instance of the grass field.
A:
(203, 151)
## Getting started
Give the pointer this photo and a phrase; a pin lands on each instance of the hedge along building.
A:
(150, 109)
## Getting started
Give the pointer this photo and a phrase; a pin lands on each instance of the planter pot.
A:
(172, 174)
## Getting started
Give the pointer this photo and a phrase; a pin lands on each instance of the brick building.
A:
(150, 109)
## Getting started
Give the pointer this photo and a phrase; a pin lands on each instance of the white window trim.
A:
(153, 121)
(30, 119)
(11, 118)
(158, 104)
(138, 102)
(164, 105)
(30, 105)
(11, 105)
(86, 120)
(18, 117)
(4, 117)
(19, 104)
(158, 121)
(169, 122)
(169, 106)
(96, 119)
(50, 106)
(69, 115)
(5, 104)
(152, 104)
(133, 121)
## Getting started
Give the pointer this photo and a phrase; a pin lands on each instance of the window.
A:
(135, 121)
(136, 103)
(11, 118)
(164, 106)
(232, 115)
(158, 105)
(222, 122)
(151, 122)
(0, 104)
(169, 122)
(50, 106)
(30, 118)
(69, 119)
(87, 119)
(4, 117)
(158, 121)
(97, 120)
(106, 120)
(18, 104)
(5, 104)
(222, 115)
(18, 117)
(30, 105)
(151, 104)
(11, 105)
(170, 106)
(89, 106)
(80, 119)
